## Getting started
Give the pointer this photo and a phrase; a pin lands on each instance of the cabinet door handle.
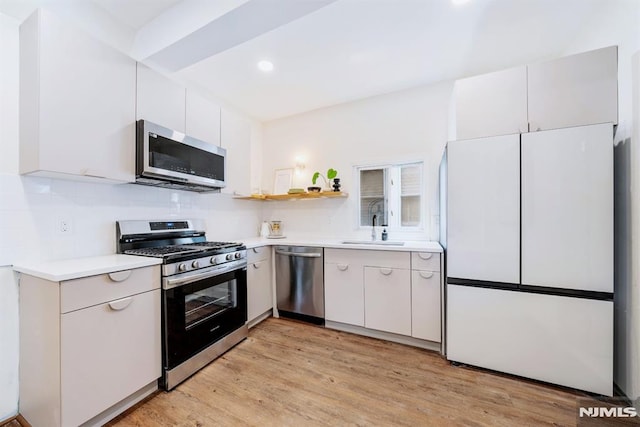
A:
(256, 250)
(426, 274)
(120, 304)
(343, 267)
(257, 264)
(120, 276)
(386, 271)
(425, 255)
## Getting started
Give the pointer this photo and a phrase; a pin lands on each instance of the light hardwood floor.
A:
(292, 374)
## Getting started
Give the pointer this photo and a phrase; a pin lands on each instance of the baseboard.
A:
(23, 422)
(260, 318)
(387, 336)
(15, 419)
(123, 405)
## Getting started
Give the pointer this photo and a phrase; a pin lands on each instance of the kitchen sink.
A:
(373, 242)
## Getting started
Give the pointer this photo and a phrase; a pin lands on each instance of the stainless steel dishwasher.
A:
(300, 283)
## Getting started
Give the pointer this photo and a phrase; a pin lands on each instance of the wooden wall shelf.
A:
(300, 196)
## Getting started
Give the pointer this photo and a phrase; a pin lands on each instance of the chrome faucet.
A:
(373, 227)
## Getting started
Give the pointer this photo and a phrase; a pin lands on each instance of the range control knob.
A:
(195, 264)
(229, 257)
(182, 267)
(238, 255)
(212, 260)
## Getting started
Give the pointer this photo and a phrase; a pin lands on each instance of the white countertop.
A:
(57, 271)
(415, 246)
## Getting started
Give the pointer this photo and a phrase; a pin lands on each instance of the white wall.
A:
(31, 207)
(401, 126)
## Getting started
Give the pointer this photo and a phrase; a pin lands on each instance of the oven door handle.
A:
(185, 280)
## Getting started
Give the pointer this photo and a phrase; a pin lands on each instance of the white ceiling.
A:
(342, 50)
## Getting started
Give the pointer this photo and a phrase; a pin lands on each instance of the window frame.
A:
(392, 195)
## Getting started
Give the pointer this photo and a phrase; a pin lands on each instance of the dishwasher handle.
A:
(302, 255)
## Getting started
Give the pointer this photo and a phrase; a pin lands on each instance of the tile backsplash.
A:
(33, 208)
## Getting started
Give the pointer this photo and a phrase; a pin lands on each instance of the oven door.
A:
(200, 308)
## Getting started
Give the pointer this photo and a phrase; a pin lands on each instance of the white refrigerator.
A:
(529, 250)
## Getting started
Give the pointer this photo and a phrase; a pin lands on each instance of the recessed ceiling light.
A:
(459, 2)
(265, 66)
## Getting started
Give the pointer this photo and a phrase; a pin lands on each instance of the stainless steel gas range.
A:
(204, 291)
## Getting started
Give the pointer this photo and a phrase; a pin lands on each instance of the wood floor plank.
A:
(292, 374)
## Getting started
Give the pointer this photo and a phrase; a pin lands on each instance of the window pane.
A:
(410, 180)
(410, 211)
(372, 196)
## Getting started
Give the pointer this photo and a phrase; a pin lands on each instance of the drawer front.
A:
(429, 261)
(374, 258)
(260, 253)
(88, 291)
(108, 352)
(343, 256)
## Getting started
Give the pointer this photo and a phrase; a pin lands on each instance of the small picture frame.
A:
(282, 181)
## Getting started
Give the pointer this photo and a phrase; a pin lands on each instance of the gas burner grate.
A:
(160, 251)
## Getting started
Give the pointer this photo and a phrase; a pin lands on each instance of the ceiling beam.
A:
(243, 23)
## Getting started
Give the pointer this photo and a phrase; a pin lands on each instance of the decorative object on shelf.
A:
(314, 189)
(296, 191)
(336, 184)
(331, 174)
(265, 230)
(275, 229)
(282, 181)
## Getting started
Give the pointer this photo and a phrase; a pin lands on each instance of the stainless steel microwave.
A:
(171, 159)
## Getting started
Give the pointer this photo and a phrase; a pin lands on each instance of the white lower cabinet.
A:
(344, 286)
(393, 292)
(387, 299)
(108, 352)
(344, 292)
(425, 305)
(426, 296)
(259, 289)
(89, 347)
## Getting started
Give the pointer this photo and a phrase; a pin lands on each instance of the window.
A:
(393, 193)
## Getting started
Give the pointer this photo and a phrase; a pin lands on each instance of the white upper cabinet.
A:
(202, 118)
(77, 104)
(492, 104)
(567, 208)
(572, 91)
(236, 139)
(160, 100)
(575, 90)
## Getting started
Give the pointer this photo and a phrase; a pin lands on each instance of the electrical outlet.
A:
(65, 226)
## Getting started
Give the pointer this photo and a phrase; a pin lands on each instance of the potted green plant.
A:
(331, 174)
